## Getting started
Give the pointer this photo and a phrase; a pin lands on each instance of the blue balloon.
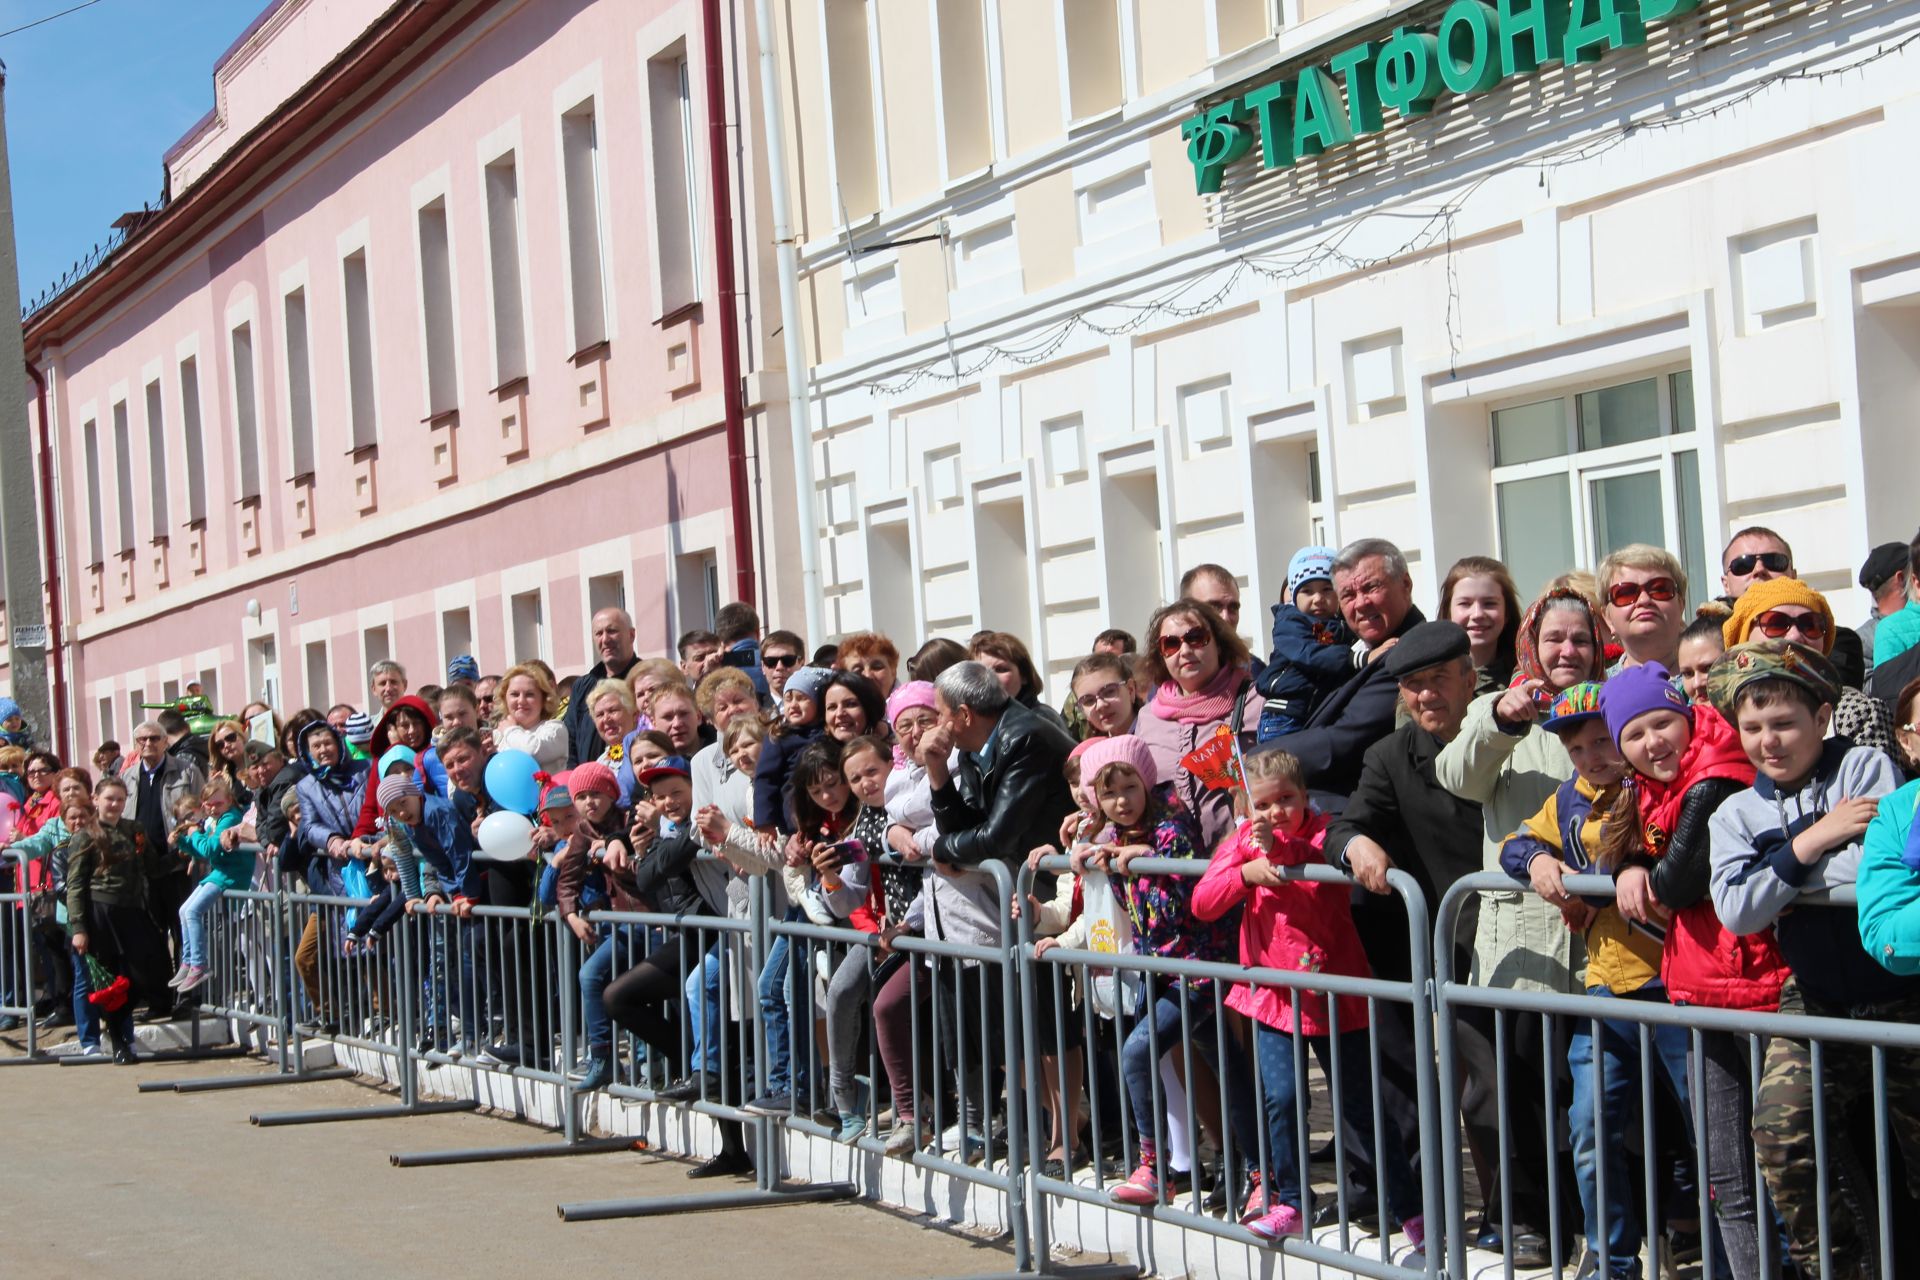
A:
(510, 781)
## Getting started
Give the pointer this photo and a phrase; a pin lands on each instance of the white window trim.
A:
(694, 535)
(247, 312)
(600, 560)
(882, 174)
(464, 595)
(503, 142)
(357, 237)
(437, 185)
(320, 633)
(89, 500)
(585, 85)
(364, 620)
(295, 277)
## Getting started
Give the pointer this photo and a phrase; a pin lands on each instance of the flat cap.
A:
(1882, 563)
(1427, 645)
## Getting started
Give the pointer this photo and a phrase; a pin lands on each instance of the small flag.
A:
(1216, 762)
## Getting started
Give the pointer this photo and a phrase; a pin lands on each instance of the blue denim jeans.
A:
(194, 914)
(703, 1011)
(780, 991)
(86, 1018)
(1157, 1033)
(1275, 1050)
(614, 952)
(1619, 1046)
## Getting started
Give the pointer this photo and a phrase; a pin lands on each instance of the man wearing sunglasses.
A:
(1376, 598)
(1755, 554)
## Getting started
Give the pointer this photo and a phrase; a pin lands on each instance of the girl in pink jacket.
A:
(1301, 927)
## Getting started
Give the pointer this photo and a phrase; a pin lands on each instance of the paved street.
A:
(97, 1176)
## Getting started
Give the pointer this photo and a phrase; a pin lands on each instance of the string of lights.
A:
(1436, 226)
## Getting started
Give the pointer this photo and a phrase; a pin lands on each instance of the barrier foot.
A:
(33, 1060)
(487, 1155)
(159, 1055)
(213, 1083)
(749, 1198)
(272, 1119)
(1072, 1271)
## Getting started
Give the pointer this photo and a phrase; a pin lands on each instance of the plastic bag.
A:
(1109, 931)
(354, 884)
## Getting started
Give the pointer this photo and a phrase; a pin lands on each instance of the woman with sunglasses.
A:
(1200, 670)
(1789, 609)
(1643, 592)
(43, 804)
(227, 758)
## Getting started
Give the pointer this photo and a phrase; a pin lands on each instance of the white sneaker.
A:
(816, 910)
(91, 1051)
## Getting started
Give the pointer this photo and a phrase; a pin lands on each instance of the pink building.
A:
(419, 359)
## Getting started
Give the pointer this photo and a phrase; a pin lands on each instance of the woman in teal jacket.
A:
(1889, 883)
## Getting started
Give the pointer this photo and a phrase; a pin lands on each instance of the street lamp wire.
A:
(37, 22)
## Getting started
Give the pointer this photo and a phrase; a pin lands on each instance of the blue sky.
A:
(93, 100)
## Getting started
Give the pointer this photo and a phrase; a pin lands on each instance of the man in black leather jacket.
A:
(1010, 792)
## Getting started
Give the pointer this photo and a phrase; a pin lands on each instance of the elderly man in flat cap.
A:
(1400, 816)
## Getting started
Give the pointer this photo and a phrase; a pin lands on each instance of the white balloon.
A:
(505, 837)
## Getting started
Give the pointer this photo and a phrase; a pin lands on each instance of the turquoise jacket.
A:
(1896, 633)
(230, 869)
(1889, 889)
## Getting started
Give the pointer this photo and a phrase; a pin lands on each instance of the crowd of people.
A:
(1717, 762)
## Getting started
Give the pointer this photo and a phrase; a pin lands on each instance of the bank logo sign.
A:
(1474, 47)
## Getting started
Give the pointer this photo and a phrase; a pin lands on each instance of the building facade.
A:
(419, 358)
(1559, 281)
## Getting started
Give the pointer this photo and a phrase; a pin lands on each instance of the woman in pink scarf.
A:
(1202, 679)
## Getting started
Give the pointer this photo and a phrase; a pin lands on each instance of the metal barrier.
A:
(1699, 1051)
(18, 988)
(1211, 1059)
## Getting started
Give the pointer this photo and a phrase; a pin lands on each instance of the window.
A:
(456, 633)
(851, 80)
(106, 722)
(157, 460)
(136, 709)
(375, 646)
(676, 202)
(361, 410)
(586, 251)
(196, 450)
(169, 691)
(1094, 81)
(263, 669)
(123, 473)
(606, 591)
(528, 617)
(315, 663)
(436, 309)
(96, 533)
(965, 118)
(246, 423)
(210, 687)
(697, 580)
(503, 261)
(299, 382)
(1580, 475)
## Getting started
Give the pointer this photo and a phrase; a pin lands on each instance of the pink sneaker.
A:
(1143, 1187)
(1415, 1229)
(1256, 1201)
(1280, 1221)
(196, 976)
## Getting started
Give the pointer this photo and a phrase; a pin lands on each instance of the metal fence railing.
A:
(1038, 1080)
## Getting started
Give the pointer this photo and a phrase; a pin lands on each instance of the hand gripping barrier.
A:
(1796, 1112)
(1165, 1030)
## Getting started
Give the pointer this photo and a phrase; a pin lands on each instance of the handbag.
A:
(1115, 993)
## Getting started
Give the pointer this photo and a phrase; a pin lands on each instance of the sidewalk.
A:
(98, 1176)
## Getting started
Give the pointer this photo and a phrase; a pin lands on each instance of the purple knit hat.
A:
(1635, 692)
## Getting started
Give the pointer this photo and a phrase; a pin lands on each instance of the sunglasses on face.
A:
(779, 661)
(1192, 638)
(1775, 624)
(1741, 566)
(1622, 594)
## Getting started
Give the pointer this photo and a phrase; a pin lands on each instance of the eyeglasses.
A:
(1192, 638)
(37, 768)
(1776, 561)
(779, 661)
(226, 740)
(1622, 594)
(1107, 693)
(148, 738)
(1774, 624)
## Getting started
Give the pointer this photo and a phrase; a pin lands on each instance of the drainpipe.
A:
(799, 409)
(56, 633)
(729, 316)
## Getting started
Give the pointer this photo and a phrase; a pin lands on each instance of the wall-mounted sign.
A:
(1330, 102)
(34, 637)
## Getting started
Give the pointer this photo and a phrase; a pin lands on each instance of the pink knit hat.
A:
(905, 697)
(593, 776)
(1125, 748)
